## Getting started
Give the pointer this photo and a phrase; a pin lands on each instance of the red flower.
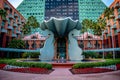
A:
(30, 70)
(89, 70)
(118, 66)
(2, 66)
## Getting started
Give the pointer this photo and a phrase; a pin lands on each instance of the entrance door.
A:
(61, 48)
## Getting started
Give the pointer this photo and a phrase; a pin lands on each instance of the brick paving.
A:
(59, 74)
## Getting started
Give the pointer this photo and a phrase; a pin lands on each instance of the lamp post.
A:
(103, 46)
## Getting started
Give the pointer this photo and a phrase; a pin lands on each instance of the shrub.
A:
(31, 54)
(90, 54)
(97, 64)
(16, 43)
(25, 64)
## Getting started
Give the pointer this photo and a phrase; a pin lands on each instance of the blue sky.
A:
(15, 3)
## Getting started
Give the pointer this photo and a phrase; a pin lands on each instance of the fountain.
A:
(61, 40)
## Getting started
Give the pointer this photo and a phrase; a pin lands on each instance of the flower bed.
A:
(96, 67)
(89, 70)
(31, 70)
(25, 67)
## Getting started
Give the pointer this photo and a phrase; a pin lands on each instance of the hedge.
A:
(25, 64)
(95, 64)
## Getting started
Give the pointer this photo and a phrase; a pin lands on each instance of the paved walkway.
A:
(59, 74)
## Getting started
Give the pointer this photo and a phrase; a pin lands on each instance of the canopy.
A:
(60, 27)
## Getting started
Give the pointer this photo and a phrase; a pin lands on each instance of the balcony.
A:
(19, 22)
(15, 15)
(118, 30)
(108, 35)
(2, 24)
(106, 31)
(114, 26)
(15, 25)
(11, 16)
(14, 35)
(115, 32)
(6, 7)
(117, 5)
(23, 21)
(10, 27)
(18, 32)
(108, 24)
(112, 16)
(3, 30)
(118, 17)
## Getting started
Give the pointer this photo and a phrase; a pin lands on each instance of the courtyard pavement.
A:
(59, 74)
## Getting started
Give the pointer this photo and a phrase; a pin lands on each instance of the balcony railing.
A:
(15, 25)
(114, 26)
(106, 31)
(118, 18)
(3, 30)
(19, 22)
(16, 15)
(18, 32)
(23, 21)
(10, 27)
(112, 16)
(11, 16)
(108, 24)
(118, 30)
(115, 32)
(108, 34)
(6, 7)
(117, 5)
(14, 35)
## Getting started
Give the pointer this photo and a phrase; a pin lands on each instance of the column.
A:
(37, 42)
(30, 42)
(4, 40)
(119, 39)
(67, 56)
(55, 50)
(100, 42)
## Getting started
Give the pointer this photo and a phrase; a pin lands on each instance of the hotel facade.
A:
(111, 34)
(11, 26)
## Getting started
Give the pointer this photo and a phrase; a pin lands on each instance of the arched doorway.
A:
(61, 47)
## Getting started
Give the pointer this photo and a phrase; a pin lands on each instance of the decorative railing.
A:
(17, 50)
(24, 50)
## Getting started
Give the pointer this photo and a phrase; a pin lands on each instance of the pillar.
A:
(55, 50)
(119, 39)
(37, 42)
(67, 56)
(30, 42)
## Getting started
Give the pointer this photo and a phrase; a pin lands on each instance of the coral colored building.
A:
(88, 41)
(34, 41)
(11, 27)
(111, 34)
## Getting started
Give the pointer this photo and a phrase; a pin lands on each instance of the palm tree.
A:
(86, 25)
(30, 24)
(108, 12)
(3, 14)
(26, 29)
(32, 21)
